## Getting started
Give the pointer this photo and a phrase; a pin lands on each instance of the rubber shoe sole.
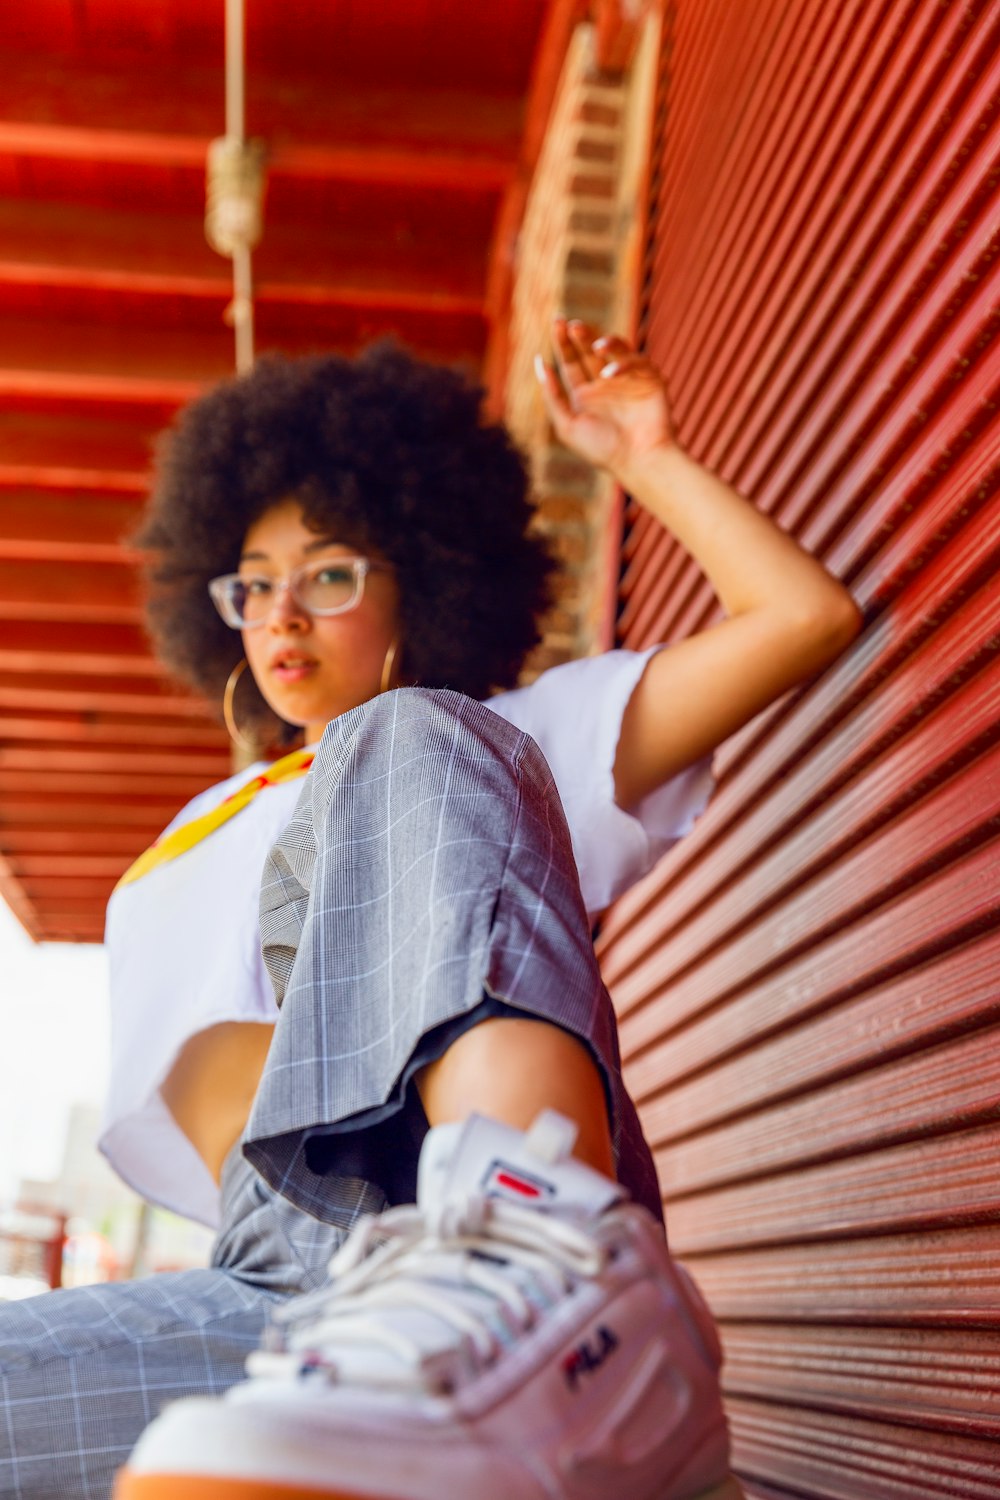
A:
(211, 1487)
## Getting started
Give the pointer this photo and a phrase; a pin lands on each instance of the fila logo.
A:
(505, 1181)
(589, 1356)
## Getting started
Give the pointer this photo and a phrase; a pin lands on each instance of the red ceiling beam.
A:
(85, 662)
(84, 386)
(50, 867)
(66, 809)
(128, 323)
(121, 355)
(82, 612)
(121, 387)
(83, 280)
(72, 916)
(37, 516)
(60, 275)
(55, 928)
(178, 787)
(79, 143)
(127, 645)
(43, 477)
(64, 588)
(309, 221)
(19, 902)
(80, 901)
(456, 170)
(94, 728)
(47, 550)
(61, 695)
(132, 762)
(310, 100)
(85, 436)
(153, 349)
(83, 838)
(385, 166)
(85, 899)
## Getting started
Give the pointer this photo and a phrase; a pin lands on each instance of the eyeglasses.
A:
(322, 588)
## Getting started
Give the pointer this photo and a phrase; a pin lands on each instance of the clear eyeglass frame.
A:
(226, 591)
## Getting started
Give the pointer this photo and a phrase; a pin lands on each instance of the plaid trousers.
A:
(425, 882)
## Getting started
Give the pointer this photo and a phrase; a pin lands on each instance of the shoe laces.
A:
(484, 1269)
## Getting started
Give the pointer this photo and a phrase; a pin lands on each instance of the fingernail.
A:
(540, 368)
(601, 343)
(607, 371)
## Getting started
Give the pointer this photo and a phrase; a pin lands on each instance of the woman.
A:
(376, 532)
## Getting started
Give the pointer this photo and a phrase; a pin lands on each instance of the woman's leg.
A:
(83, 1372)
(511, 1070)
(426, 884)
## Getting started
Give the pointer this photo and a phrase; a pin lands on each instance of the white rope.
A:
(235, 190)
(235, 69)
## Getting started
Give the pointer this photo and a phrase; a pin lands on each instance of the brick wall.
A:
(578, 254)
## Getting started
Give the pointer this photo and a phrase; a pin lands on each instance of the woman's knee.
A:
(427, 733)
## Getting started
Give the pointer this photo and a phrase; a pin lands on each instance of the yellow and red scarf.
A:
(183, 838)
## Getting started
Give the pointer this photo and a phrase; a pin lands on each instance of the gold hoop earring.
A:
(240, 740)
(385, 681)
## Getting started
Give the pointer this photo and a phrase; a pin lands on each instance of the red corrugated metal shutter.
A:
(809, 988)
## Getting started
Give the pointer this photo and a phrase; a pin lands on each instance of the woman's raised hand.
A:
(606, 401)
(787, 617)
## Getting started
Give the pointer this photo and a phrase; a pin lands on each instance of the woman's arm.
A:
(213, 1083)
(786, 616)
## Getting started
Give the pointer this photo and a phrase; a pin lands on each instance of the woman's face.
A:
(312, 668)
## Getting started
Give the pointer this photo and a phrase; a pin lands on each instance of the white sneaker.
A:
(522, 1334)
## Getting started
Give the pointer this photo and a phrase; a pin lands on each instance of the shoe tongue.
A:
(480, 1157)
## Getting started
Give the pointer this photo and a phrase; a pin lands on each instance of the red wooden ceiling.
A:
(394, 131)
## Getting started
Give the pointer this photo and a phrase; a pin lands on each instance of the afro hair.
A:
(384, 452)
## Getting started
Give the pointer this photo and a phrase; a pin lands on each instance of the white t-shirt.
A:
(183, 939)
